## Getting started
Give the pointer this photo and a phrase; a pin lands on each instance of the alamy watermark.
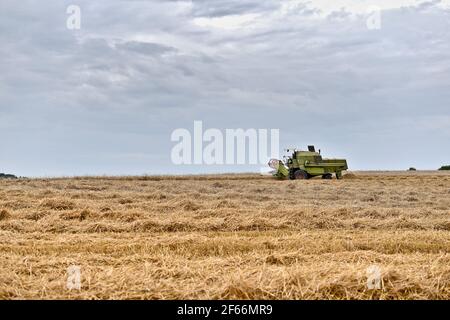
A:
(73, 21)
(374, 278)
(373, 21)
(73, 278)
(230, 146)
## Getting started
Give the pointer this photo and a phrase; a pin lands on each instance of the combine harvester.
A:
(307, 164)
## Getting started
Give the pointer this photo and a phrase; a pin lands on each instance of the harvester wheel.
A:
(338, 175)
(300, 174)
(327, 176)
(291, 174)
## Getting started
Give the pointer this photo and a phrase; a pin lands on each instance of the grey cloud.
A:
(220, 8)
(145, 48)
(429, 4)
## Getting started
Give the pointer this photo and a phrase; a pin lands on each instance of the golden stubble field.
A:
(227, 237)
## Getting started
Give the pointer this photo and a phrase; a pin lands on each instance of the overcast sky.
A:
(105, 99)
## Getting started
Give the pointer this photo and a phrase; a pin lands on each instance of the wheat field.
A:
(226, 237)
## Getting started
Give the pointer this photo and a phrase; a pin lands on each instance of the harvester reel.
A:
(274, 163)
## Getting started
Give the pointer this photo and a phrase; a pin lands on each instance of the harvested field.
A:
(227, 236)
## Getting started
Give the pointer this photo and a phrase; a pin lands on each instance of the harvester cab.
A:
(307, 164)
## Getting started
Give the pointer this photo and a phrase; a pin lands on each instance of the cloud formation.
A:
(104, 99)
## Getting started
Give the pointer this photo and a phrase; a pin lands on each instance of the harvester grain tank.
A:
(307, 164)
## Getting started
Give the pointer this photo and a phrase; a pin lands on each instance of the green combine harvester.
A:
(307, 164)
